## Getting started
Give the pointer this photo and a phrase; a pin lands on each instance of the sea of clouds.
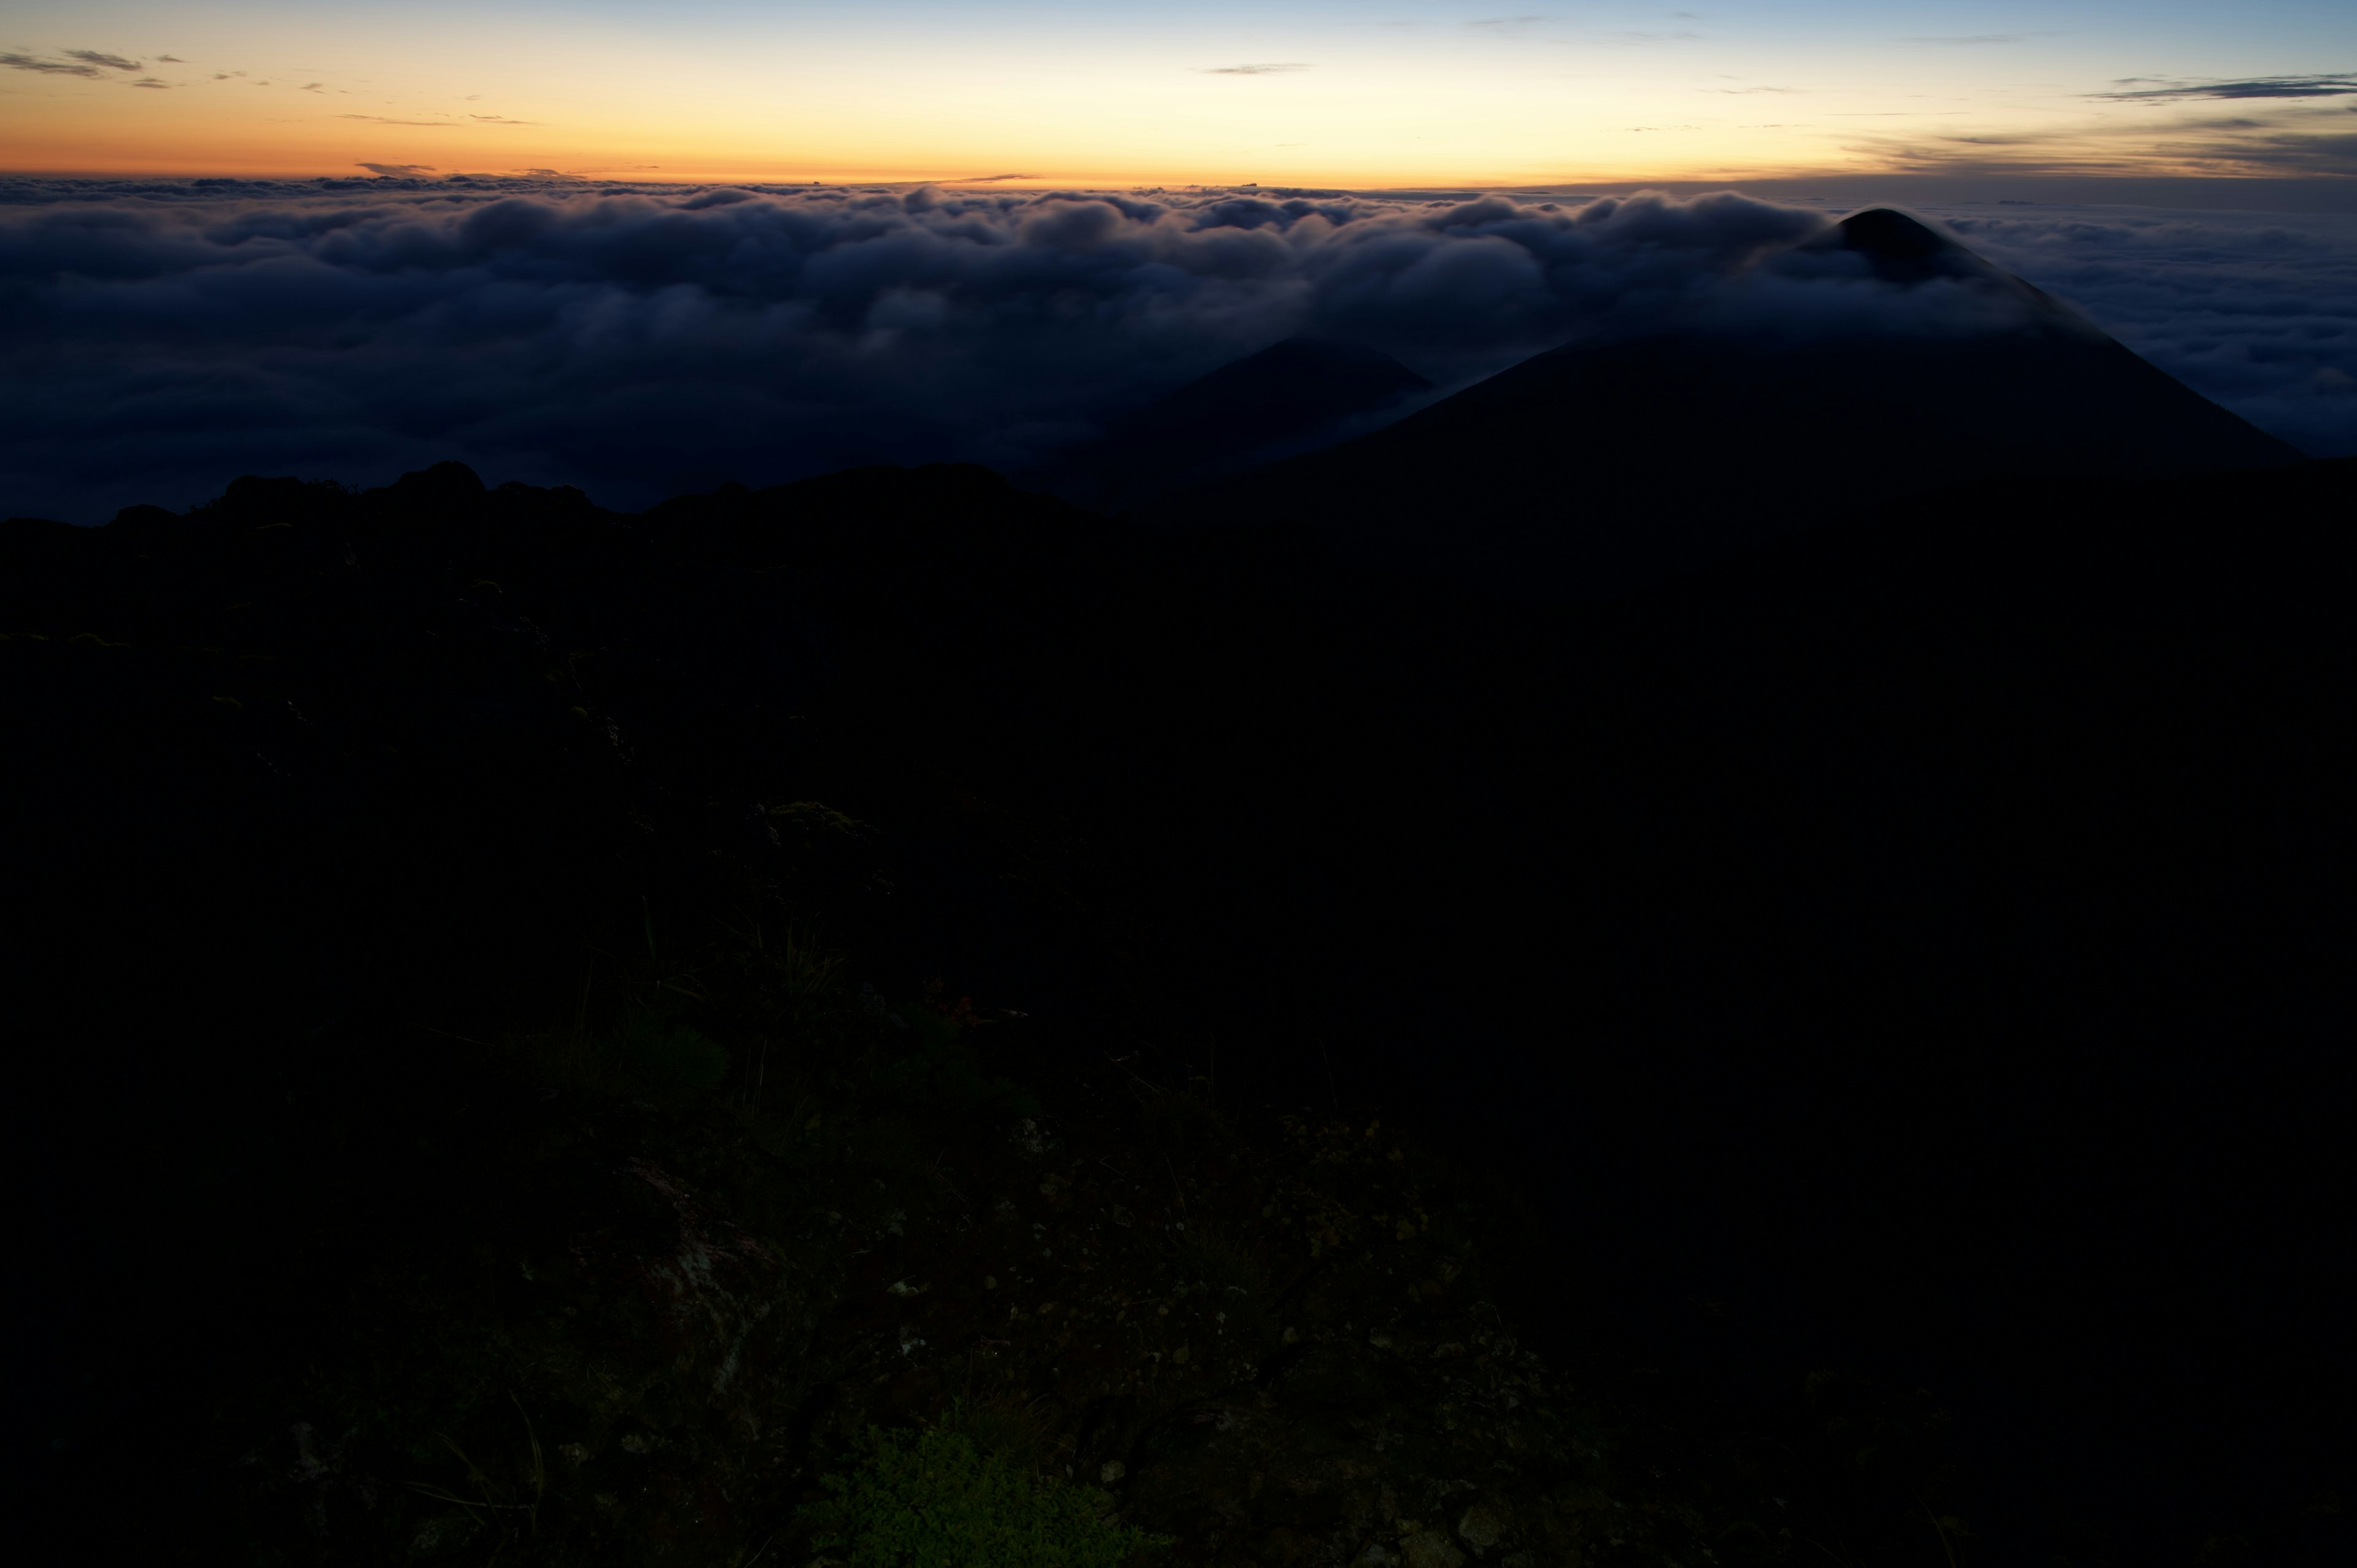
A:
(156, 340)
(2254, 310)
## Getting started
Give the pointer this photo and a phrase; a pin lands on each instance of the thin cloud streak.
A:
(468, 123)
(49, 67)
(2337, 84)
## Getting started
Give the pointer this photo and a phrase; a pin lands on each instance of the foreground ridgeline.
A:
(894, 1017)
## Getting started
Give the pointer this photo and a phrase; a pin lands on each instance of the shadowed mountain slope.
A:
(1302, 392)
(1599, 464)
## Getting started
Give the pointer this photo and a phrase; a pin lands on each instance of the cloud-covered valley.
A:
(639, 342)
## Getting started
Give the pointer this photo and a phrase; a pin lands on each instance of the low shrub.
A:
(929, 1499)
(669, 1058)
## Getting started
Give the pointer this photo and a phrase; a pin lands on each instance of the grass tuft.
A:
(932, 1497)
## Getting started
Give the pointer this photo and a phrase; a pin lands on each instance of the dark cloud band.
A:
(49, 67)
(2340, 85)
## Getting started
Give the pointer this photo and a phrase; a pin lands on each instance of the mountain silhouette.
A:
(1601, 464)
(1302, 393)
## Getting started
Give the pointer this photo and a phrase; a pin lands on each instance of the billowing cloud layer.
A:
(639, 342)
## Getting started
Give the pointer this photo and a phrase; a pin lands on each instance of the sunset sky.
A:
(1278, 92)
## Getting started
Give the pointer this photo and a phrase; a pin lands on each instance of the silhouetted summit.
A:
(1897, 246)
(1613, 460)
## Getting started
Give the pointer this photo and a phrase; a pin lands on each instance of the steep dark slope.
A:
(1595, 466)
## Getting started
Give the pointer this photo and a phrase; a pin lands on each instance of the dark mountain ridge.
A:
(1600, 465)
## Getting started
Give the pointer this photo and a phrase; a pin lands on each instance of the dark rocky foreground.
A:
(542, 1023)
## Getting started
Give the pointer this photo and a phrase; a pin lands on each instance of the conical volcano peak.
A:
(1888, 235)
(1902, 249)
(1880, 353)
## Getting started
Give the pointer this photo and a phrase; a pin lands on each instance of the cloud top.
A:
(157, 337)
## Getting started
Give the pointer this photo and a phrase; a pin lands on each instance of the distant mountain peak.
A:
(1597, 465)
(1906, 250)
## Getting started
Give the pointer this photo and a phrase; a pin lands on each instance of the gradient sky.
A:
(1368, 93)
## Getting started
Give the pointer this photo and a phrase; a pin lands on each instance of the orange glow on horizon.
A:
(66, 151)
(720, 91)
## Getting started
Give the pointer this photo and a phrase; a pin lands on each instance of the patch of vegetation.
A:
(671, 1057)
(931, 1498)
